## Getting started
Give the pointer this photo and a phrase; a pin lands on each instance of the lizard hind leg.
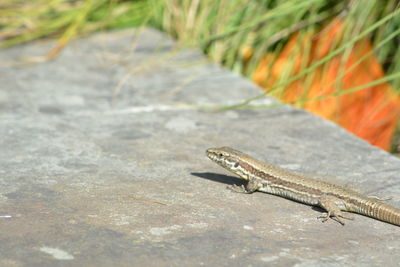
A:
(381, 199)
(329, 203)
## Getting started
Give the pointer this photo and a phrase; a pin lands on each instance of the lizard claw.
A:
(324, 217)
(237, 188)
(335, 217)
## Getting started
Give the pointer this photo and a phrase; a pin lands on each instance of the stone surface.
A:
(102, 163)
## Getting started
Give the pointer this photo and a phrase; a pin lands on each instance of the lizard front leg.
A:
(249, 188)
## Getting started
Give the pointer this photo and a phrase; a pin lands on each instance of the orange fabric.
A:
(369, 113)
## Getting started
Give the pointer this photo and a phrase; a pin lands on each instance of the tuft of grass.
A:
(235, 33)
(23, 21)
(228, 29)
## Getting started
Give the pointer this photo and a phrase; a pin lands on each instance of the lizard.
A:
(330, 197)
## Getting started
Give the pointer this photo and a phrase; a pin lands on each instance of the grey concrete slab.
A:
(102, 163)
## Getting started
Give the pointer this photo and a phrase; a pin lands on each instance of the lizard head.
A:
(229, 158)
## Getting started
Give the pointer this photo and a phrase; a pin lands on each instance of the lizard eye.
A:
(236, 165)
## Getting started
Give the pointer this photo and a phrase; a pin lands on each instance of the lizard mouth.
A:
(216, 156)
(211, 154)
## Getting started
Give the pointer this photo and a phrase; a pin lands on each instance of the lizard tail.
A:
(380, 211)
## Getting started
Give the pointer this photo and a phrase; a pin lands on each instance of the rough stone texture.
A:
(102, 163)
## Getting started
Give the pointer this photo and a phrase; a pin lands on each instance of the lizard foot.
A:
(238, 188)
(335, 216)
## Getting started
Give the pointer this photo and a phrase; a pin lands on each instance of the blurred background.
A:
(337, 59)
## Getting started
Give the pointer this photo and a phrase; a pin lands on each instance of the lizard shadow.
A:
(221, 178)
